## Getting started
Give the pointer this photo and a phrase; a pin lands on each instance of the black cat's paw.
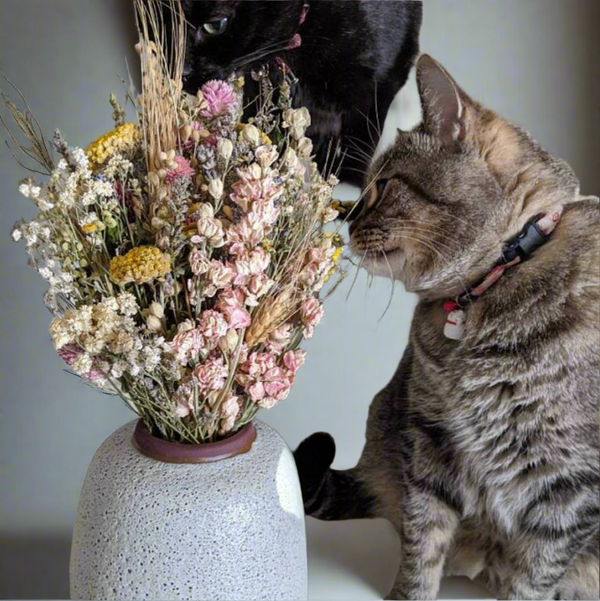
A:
(314, 457)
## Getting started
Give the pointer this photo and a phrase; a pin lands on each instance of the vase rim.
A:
(178, 452)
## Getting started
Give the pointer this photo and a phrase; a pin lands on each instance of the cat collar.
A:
(535, 232)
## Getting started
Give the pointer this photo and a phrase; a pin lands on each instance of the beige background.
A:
(535, 61)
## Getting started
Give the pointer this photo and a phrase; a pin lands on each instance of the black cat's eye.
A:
(217, 27)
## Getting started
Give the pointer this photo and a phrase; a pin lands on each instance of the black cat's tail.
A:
(330, 494)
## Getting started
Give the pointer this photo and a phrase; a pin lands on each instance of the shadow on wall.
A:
(34, 568)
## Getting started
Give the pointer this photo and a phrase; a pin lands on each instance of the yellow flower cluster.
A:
(123, 139)
(140, 265)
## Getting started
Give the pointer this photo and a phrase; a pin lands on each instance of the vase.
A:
(159, 520)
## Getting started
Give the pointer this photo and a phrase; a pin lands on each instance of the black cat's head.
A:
(233, 35)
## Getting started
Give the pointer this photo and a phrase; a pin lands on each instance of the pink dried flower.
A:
(70, 353)
(263, 380)
(212, 325)
(198, 262)
(211, 375)
(253, 263)
(187, 343)
(244, 236)
(311, 313)
(231, 304)
(219, 97)
(258, 363)
(183, 169)
(220, 275)
(293, 360)
(279, 339)
(184, 399)
(229, 411)
(257, 287)
(251, 189)
(245, 192)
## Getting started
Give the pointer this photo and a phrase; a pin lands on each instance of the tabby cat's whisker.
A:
(356, 274)
(392, 286)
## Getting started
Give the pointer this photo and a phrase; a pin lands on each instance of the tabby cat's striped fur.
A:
(484, 452)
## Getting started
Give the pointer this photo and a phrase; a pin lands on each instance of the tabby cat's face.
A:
(435, 212)
(233, 35)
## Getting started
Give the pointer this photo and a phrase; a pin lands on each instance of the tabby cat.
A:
(482, 451)
(350, 58)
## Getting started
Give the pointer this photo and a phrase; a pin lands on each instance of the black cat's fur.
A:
(354, 57)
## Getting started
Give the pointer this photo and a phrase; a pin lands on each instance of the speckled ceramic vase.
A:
(153, 523)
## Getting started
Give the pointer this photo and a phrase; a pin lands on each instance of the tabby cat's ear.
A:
(444, 104)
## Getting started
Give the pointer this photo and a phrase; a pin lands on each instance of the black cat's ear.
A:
(444, 103)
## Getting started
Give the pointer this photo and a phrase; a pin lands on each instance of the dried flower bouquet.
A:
(185, 252)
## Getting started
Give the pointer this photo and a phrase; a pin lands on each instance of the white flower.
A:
(82, 365)
(154, 324)
(266, 155)
(16, 234)
(157, 310)
(80, 158)
(118, 368)
(297, 120)
(135, 370)
(251, 134)
(30, 191)
(305, 147)
(329, 214)
(215, 188)
(209, 228)
(225, 148)
(229, 342)
(45, 273)
(254, 171)
(127, 303)
(61, 333)
(152, 357)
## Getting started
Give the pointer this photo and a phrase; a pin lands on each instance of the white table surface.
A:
(358, 559)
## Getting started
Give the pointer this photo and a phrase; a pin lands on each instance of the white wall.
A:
(535, 61)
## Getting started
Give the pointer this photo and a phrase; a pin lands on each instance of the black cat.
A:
(350, 57)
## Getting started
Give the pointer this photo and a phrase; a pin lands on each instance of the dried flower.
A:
(311, 313)
(211, 375)
(181, 168)
(231, 303)
(207, 334)
(219, 97)
(225, 148)
(215, 188)
(297, 120)
(251, 134)
(140, 265)
(124, 139)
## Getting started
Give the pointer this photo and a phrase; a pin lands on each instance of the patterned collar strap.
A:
(535, 232)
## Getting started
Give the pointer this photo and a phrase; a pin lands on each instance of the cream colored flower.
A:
(225, 148)
(215, 188)
(305, 148)
(297, 120)
(251, 134)
(266, 155)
